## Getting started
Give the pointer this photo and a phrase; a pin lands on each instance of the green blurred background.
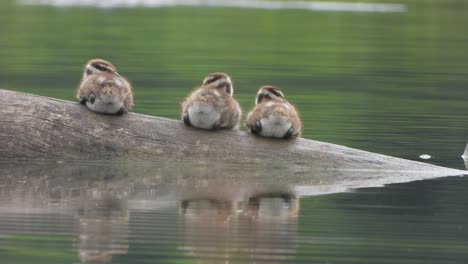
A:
(394, 83)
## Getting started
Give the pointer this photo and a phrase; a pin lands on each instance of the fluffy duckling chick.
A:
(212, 106)
(103, 90)
(273, 116)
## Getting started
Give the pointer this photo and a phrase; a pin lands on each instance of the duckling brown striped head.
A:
(269, 93)
(98, 66)
(212, 105)
(103, 90)
(221, 81)
(273, 116)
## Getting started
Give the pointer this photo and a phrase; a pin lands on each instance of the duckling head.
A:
(220, 81)
(98, 66)
(269, 93)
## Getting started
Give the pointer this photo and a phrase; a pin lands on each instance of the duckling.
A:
(273, 116)
(103, 90)
(212, 106)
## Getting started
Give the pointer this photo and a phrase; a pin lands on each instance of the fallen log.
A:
(36, 127)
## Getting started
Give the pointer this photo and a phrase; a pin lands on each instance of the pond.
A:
(388, 82)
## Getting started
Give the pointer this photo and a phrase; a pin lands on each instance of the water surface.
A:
(120, 212)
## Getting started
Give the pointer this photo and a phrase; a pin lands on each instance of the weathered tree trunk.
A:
(35, 127)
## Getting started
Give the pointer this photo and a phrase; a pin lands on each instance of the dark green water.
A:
(392, 83)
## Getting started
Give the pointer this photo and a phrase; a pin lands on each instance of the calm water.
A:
(392, 83)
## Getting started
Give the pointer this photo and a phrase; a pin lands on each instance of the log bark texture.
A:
(36, 127)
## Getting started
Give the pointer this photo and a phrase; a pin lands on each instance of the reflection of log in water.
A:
(169, 181)
(222, 207)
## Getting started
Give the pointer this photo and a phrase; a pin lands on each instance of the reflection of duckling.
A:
(212, 106)
(273, 115)
(273, 205)
(103, 224)
(103, 90)
(203, 207)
